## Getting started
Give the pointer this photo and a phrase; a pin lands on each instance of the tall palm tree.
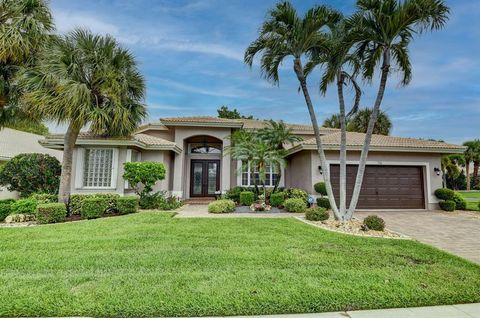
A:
(359, 122)
(25, 26)
(382, 31)
(286, 34)
(470, 154)
(82, 80)
(277, 135)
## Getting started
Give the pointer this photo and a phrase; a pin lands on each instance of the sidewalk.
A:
(451, 311)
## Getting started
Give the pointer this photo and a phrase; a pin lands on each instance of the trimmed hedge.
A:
(323, 202)
(296, 205)
(444, 194)
(374, 222)
(93, 208)
(76, 200)
(295, 193)
(51, 213)
(448, 205)
(277, 199)
(127, 205)
(247, 198)
(42, 198)
(320, 188)
(24, 206)
(460, 202)
(221, 206)
(317, 214)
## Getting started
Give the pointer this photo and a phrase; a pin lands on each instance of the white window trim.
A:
(250, 184)
(79, 175)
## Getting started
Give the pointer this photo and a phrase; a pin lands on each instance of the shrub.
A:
(150, 201)
(93, 208)
(444, 194)
(9, 201)
(247, 198)
(142, 176)
(294, 193)
(374, 222)
(76, 200)
(42, 198)
(168, 203)
(323, 202)
(127, 205)
(5, 209)
(295, 205)
(448, 205)
(50, 213)
(234, 193)
(277, 199)
(460, 202)
(25, 206)
(320, 188)
(29, 173)
(221, 206)
(317, 214)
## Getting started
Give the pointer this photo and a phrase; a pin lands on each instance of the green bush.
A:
(76, 201)
(234, 193)
(9, 201)
(295, 205)
(277, 199)
(167, 203)
(5, 209)
(320, 188)
(460, 202)
(448, 205)
(93, 208)
(30, 173)
(50, 213)
(127, 205)
(25, 206)
(323, 202)
(221, 206)
(317, 214)
(374, 222)
(42, 198)
(142, 176)
(444, 194)
(247, 198)
(295, 193)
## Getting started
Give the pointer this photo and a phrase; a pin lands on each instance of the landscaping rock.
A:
(19, 218)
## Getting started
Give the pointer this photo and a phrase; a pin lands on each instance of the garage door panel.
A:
(387, 187)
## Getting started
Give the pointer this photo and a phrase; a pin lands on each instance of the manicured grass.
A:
(472, 198)
(150, 264)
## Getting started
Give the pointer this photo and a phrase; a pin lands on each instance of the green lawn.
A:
(150, 264)
(473, 199)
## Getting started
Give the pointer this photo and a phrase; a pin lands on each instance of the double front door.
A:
(204, 178)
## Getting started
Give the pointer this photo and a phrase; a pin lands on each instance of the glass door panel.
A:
(197, 178)
(212, 168)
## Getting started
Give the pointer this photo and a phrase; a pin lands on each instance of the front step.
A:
(199, 201)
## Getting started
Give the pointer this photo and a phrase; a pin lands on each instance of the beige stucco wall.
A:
(307, 162)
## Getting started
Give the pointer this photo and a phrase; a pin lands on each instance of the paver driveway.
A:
(455, 232)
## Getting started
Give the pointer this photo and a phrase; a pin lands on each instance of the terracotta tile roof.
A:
(199, 119)
(355, 140)
(153, 141)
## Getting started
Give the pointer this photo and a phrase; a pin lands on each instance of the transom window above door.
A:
(206, 148)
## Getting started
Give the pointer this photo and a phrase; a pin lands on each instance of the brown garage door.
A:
(384, 187)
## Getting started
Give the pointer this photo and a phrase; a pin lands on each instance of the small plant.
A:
(296, 205)
(127, 205)
(460, 202)
(43, 198)
(25, 206)
(374, 223)
(277, 199)
(323, 202)
(444, 194)
(247, 198)
(50, 213)
(221, 206)
(5, 208)
(167, 203)
(234, 193)
(448, 205)
(295, 193)
(320, 188)
(93, 208)
(317, 214)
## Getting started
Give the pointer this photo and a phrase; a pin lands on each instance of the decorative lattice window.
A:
(97, 169)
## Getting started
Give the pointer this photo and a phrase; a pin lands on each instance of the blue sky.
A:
(191, 53)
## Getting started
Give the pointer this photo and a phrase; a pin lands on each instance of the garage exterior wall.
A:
(307, 162)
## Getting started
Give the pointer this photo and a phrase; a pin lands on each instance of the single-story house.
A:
(14, 142)
(402, 173)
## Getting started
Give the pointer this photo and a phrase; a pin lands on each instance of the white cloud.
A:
(68, 20)
(221, 92)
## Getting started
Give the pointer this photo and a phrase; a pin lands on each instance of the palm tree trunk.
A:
(467, 168)
(368, 136)
(343, 145)
(279, 176)
(298, 68)
(65, 178)
(476, 165)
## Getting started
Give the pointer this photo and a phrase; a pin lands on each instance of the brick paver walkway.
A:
(455, 232)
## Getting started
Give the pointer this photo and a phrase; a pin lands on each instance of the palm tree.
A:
(24, 30)
(332, 122)
(286, 34)
(277, 135)
(472, 154)
(359, 122)
(85, 79)
(382, 31)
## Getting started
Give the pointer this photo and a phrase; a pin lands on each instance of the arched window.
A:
(206, 148)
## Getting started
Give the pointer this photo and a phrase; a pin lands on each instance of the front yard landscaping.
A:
(472, 198)
(150, 264)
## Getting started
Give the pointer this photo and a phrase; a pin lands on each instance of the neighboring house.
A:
(14, 142)
(402, 173)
